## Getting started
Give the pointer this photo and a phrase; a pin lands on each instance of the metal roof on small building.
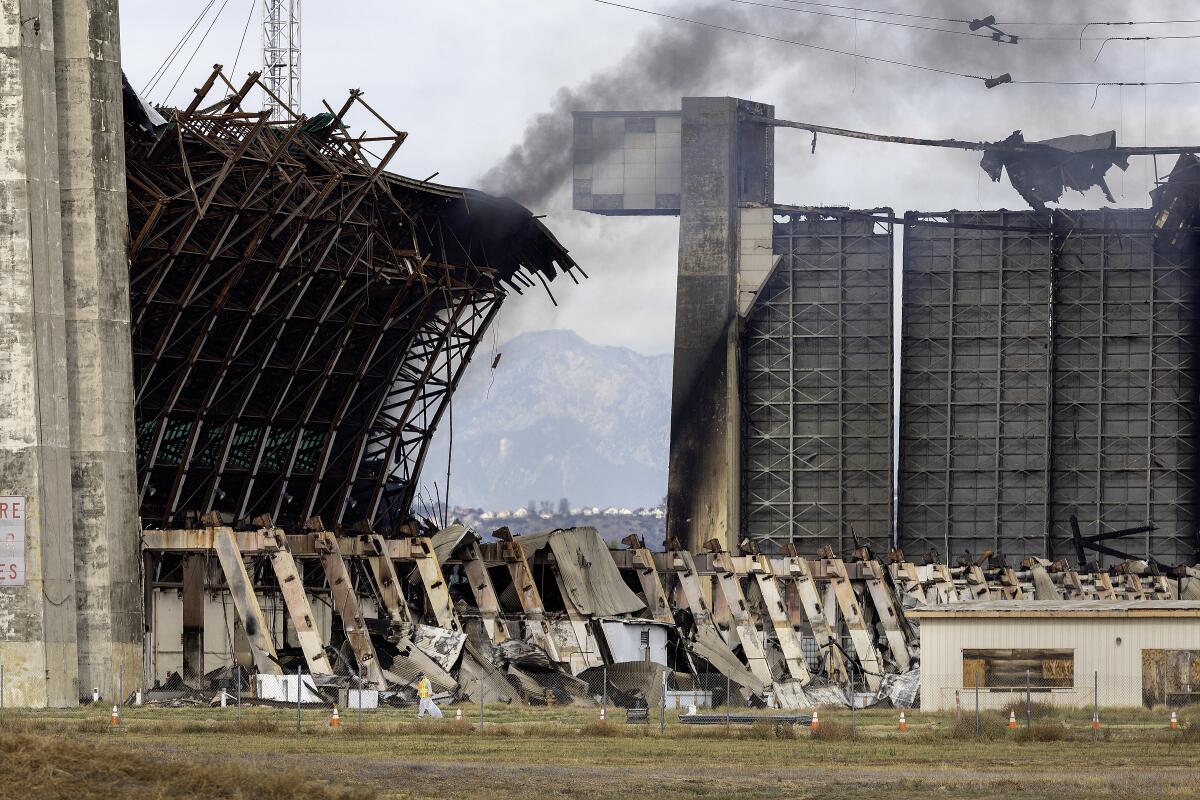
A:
(1061, 608)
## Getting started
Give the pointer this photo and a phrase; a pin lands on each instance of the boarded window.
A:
(1170, 677)
(1009, 669)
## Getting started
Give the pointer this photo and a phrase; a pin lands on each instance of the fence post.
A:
(850, 697)
(121, 683)
(299, 694)
(604, 690)
(662, 705)
(977, 731)
(1095, 702)
(481, 703)
(237, 678)
(1028, 702)
(358, 679)
(727, 701)
(1, 685)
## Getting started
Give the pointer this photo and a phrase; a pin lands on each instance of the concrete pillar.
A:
(724, 162)
(37, 619)
(99, 362)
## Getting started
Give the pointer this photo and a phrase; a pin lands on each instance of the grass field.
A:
(565, 753)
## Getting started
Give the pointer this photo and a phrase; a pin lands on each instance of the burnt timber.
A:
(301, 316)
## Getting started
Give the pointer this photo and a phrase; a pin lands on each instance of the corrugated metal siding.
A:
(1093, 640)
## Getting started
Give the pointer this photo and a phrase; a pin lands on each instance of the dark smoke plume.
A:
(676, 59)
(672, 61)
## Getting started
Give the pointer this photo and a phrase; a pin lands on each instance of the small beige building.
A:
(1120, 653)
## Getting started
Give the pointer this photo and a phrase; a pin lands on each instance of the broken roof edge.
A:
(1059, 608)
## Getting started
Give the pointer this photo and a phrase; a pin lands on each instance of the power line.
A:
(199, 44)
(795, 42)
(245, 30)
(892, 23)
(989, 37)
(989, 82)
(171, 56)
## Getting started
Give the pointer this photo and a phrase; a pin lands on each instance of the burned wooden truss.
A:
(550, 618)
(301, 316)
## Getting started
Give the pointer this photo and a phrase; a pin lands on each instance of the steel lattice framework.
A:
(816, 370)
(1048, 370)
(281, 57)
(1125, 384)
(300, 316)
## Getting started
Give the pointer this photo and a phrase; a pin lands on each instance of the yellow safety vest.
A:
(424, 690)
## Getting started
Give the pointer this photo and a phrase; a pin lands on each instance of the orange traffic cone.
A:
(1012, 718)
(458, 715)
(816, 723)
(335, 721)
(602, 713)
(116, 717)
(1174, 722)
(903, 722)
(1095, 720)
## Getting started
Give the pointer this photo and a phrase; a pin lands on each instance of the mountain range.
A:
(558, 417)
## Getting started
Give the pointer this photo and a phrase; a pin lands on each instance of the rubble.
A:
(575, 622)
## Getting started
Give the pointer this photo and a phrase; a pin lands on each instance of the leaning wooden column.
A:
(345, 602)
(513, 554)
(241, 589)
(483, 591)
(800, 573)
(864, 644)
(291, 586)
(434, 581)
(785, 634)
(743, 623)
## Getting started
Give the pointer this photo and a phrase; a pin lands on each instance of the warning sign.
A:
(12, 541)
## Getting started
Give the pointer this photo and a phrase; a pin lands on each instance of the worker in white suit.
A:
(425, 694)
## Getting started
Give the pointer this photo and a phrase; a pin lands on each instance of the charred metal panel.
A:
(1125, 386)
(816, 363)
(974, 393)
(1049, 369)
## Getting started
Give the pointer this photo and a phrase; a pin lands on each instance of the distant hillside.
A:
(558, 418)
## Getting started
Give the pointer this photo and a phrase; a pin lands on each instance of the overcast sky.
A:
(465, 77)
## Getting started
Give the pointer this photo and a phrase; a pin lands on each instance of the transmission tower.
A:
(281, 56)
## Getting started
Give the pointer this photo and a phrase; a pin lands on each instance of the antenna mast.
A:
(281, 56)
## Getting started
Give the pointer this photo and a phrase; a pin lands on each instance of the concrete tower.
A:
(706, 164)
(70, 596)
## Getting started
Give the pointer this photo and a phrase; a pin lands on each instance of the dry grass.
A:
(567, 754)
(832, 731)
(59, 768)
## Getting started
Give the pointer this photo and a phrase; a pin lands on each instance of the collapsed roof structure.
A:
(301, 316)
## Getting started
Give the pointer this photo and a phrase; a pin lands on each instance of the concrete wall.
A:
(66, 410)
(100, 371)
(724, 161)
(37, 620)
(1110, 646)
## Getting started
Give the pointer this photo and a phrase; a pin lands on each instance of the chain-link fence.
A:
(641, 696)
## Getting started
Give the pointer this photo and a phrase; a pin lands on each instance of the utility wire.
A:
(991, 82)
(932, 18)
(245, 30)
(809, 45)
(199, 44)
(171, 56)
(893, 23)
